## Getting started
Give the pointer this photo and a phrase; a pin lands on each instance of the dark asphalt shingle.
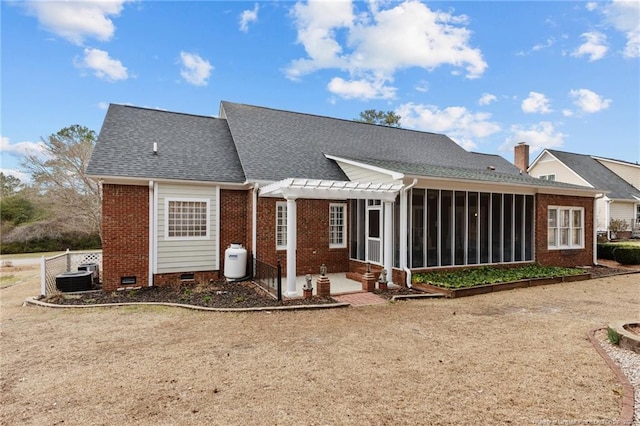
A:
(598, 175)
(190, 147)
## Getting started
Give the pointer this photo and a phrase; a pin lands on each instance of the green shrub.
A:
(613, 335)
(605, 250)
(73, 241)
(626, 255)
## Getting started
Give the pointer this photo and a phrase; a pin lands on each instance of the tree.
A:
(9, 185)
(372, 116)
(59, 174)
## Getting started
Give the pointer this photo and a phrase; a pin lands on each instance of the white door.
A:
(374, 223)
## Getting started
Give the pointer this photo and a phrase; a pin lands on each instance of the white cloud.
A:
(538, 136)
(21, 149)
(550, 42)
(623, 15)
(567, 113)
(536, 102)
(103, 66)
(248, 16)
(486, 99)
(373, 44)
(195, 70)
(422, 86)
(24, 177)
(591, 6)
(595, 46)
(462, 125)
(361, 89)
(103, 105)
(589, 101)
(77, 20)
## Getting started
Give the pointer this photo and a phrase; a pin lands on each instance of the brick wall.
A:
(566, 258)
(312, 237)
(125, 234)
(235, 221)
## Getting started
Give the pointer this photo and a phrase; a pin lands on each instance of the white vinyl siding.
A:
(281, 225)
(187, 253)
(621, 210)
(360, 174)
(565, 227)
(628, 172)
(549, 165)
(337, 225)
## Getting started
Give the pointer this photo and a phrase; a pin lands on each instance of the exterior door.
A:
(374, 231)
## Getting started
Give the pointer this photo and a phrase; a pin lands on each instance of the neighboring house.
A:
(178, 189)
(619, 179)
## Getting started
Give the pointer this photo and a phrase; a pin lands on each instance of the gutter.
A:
(403, 230)
(595, 227)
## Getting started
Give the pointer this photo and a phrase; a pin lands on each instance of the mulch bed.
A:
(220, 294)
(224, 294)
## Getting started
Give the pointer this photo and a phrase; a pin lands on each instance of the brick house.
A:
(619, 179)
(178, 189)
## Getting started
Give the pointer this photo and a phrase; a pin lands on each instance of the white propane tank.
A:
(235, 261)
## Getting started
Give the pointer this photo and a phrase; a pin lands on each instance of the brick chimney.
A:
(521, 156)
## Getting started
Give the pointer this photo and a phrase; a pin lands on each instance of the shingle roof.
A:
(264, 137)
(597, 175)
(486, 175)
(190, 147)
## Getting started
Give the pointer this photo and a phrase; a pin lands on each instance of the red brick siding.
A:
(566, 258)
(235, 221)
(125, 231)
(312, 237)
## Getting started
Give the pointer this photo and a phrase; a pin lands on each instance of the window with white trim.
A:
(565, 227)
(337, 225)
(187, 219)
(551, 177)
(281, 225)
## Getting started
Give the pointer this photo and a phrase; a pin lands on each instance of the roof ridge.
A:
(329, 117)
(166, 111)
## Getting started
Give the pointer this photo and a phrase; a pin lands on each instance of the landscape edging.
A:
(33, 301)
(628, 397)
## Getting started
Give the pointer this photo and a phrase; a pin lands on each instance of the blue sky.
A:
(562, 75)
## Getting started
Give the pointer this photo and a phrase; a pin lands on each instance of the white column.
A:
(291, 247)
(388, 239)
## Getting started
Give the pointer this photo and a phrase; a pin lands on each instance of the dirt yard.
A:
(515, 357)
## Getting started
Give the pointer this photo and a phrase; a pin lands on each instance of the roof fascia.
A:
(124, 180)
(394, 175)
(544, 151)
(538, 189)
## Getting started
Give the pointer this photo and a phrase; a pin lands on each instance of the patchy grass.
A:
(472, 277)
(8, 280)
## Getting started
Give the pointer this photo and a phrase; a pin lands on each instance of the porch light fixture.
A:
(323, 269)
(367, 268)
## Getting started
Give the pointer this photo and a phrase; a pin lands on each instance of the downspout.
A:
(152, 231)
(254, 223)
(595, 229)
(404, 232)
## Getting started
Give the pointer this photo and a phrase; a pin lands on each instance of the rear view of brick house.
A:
(307, 190)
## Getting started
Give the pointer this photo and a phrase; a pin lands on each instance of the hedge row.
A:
(73, 241)
(623, 254)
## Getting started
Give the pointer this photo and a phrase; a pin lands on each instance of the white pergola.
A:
(292, 189)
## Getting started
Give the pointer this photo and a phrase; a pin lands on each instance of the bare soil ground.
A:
(514, 357)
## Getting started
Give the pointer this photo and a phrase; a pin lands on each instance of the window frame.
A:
(167, 219)
(550, 177)
(342, 226)
(281, 228)
(568, 226)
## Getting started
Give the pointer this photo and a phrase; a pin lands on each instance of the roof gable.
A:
(189, 147)
(274, 144)
(598, 175)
